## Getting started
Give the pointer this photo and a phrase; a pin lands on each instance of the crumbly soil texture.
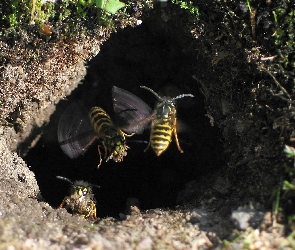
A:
(220, 193)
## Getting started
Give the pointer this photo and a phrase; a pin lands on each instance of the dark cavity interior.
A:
(153, 56)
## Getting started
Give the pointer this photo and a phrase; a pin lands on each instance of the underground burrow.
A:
(147, 55)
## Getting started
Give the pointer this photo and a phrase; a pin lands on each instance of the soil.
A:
(220, 193)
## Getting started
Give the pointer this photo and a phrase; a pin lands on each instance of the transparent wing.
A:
(75, 132)
(133, 114)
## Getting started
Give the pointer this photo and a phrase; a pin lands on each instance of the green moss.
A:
(284, 20)
(41, 13)
(14, 12)
(188, 5)
(18, 14)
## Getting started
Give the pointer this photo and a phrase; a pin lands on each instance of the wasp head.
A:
(81, 188)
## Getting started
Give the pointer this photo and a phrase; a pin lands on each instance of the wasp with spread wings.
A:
(78, 129)
(137, 116)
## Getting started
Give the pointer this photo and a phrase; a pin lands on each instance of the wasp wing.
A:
(130, 110)
(75, 131)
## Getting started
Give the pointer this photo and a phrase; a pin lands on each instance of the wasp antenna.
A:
(64, 178)
(159, 97)
(183, 95)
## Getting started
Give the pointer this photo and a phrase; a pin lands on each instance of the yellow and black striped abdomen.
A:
(161, 135)
(101, 121)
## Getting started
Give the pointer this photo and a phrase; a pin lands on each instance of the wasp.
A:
(81, 200)
(138, 116)
(78, 129)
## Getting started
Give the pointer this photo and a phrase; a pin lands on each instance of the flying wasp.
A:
(138, 116)
(81, 200)
(78, 129)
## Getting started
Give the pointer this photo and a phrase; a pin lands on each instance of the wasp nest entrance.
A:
(152, 56)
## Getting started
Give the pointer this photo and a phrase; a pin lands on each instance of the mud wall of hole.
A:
(147, 55)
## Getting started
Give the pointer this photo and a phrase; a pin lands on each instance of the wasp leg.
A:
(176, 139)
(93, 213)
(61, 205)
(100, 158)
(105, 150)
(147, 146)
(91, 216)
(127, 135)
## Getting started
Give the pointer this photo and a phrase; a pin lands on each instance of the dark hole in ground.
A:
(146, 55)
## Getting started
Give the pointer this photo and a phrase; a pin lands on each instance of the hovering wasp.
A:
(78, 129)
(81, 199)
(138, 115)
